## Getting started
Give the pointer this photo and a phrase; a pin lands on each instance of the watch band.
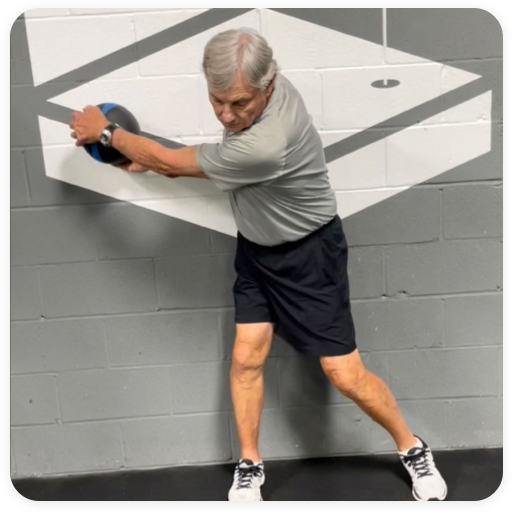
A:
(106, 136)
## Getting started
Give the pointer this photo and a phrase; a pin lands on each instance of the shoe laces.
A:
(420, 462)
(246, 474)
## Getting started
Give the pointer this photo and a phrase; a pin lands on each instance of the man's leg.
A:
(252, 345)
(370, 393)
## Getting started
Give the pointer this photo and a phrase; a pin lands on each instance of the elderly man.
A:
(291, 256)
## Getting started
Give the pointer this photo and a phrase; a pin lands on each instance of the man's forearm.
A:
(152, 155)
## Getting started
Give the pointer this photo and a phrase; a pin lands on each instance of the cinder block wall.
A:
(122, 317)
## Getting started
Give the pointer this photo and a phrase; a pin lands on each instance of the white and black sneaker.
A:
(247, 480)
(428, 484)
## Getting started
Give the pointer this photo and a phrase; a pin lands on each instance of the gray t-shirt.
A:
(274, 171)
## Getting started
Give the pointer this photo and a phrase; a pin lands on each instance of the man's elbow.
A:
(166, 170)
(174, 172)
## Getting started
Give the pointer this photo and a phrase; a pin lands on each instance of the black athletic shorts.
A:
(302, 286)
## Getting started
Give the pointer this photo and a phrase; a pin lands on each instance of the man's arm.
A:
(158, 158)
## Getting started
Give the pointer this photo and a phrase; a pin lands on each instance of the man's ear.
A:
(270, 86)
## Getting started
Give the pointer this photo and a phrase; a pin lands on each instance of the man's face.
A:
(238, 107)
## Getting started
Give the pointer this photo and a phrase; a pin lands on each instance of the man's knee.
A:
(347, 373)
(247, 359)
(251, 348)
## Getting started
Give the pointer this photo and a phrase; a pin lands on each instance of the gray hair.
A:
(242, 49)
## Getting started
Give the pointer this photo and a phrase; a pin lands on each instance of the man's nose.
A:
(227, 115)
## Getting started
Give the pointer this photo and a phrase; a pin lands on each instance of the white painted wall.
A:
(333, 71)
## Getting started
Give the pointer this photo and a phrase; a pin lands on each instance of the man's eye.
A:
(240, 104)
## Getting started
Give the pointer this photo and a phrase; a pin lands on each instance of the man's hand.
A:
(132, 167)
(88, 125)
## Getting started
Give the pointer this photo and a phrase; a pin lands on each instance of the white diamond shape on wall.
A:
(333, 71)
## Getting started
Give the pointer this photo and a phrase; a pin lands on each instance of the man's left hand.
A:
(88, 125)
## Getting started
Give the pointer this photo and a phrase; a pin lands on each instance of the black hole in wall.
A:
(385, 84)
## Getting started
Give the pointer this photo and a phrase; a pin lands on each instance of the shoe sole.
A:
(228, 499)
(432, 499)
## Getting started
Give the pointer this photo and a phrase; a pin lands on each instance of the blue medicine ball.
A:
(125, 119)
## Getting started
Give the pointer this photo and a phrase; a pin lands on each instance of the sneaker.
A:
(247, 480)
(428, 484)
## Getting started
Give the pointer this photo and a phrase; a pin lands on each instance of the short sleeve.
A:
(238, 162)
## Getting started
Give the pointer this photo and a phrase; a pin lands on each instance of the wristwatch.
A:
(106, 135)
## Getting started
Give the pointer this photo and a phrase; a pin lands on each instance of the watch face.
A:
(104, 139)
